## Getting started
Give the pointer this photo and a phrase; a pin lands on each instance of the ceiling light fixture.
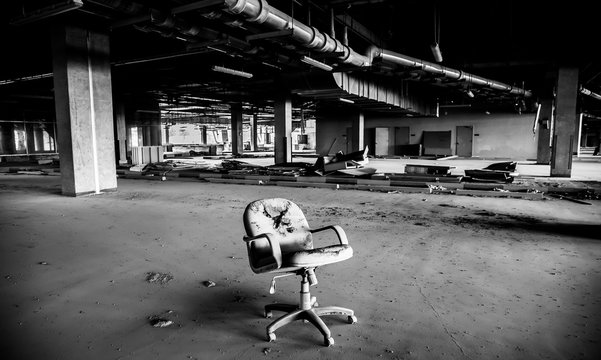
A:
(348, 101)
(318, 64)
(47, 12)
(229, 71)
(436, 52)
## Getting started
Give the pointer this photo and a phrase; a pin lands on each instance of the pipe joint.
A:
(236, 6)
(346, 56)
(158, 18)
(314, 38)
(262, 14)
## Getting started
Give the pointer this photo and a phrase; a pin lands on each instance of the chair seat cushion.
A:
(317, 257)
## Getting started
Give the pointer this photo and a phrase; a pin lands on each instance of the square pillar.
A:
(357, 132)
(237, 135)
(255, 129)
(283, 130)
(564, 128)
(543, 152)
(84, 110)
(30, 138)
(121, 134)
(7, 138)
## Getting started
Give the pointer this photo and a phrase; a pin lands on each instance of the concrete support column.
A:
(237, 139)
(358, 131)
(283, 130)
(543, 152)
(167, 139)
(84, 110)
(255, 129)
(38, 133)
(7, 140)
(155, 131)
(121, 134)
(30, 138)
(203, 135)
(147, 134)
(564, 128)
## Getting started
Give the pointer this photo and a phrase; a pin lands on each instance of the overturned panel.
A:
(368, 94)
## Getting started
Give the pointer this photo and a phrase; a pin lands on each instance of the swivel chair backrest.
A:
(282, 218)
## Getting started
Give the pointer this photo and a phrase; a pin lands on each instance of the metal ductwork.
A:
(443, 71)
(258, 11)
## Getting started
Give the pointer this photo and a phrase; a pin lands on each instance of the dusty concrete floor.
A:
(433, 276)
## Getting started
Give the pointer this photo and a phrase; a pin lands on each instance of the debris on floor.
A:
(501, 172)
(564, 197)
(428, 169)
(209, 283)
(350, 171)
(158, 278)
(162, 320)
(161, 323)
(329, 164)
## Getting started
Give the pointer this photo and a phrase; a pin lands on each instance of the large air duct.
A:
(443, 71)
(260, 12)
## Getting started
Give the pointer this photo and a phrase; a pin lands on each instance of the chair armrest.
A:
(274, 246)
(338, 230)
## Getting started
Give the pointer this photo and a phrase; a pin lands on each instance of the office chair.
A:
(279, 241)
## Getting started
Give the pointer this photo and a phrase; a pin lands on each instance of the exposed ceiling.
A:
(167, 49)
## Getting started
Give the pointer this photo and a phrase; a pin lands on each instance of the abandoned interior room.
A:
(300, 179)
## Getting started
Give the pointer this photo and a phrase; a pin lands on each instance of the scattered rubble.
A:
(209, 283)
(349, 171)
(158, 278)
(161, 323)
(162, 320)
(501, 172)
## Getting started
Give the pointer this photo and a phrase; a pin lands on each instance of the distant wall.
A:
(502, 135)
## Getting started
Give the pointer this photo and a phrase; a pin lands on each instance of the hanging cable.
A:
(435, 47)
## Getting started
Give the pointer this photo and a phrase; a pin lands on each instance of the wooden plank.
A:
(311, 179)
(307, 184)
(207, 175)
(237, 181)
(373, 182)
(508, 194)
(341, 180)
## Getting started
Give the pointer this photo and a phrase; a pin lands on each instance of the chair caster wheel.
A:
(352, 319)
(271, 337)
(268, 314)
(328, 341)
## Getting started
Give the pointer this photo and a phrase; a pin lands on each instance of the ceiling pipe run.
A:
(443, 71)
(260, 12)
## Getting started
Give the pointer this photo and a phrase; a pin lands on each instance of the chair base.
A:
(311, 315)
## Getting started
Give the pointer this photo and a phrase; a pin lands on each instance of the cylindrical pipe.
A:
(590, 93)
(404, 60)
(260, 12)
